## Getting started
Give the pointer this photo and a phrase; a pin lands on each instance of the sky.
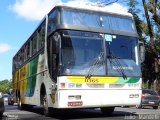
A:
(19, 18)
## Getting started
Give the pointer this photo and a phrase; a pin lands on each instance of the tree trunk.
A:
(152, 42)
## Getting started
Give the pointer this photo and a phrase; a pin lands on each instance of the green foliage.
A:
(138, 22)
(157, 42)
(148, 68)
(5, 85)
(144, 85)
(147, 85)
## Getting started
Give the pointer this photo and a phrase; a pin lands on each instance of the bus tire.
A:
(1, 115)
(23, 106)
(155, 107)
(107, 110)
(27, 107)
(139, 106)
(20, 105)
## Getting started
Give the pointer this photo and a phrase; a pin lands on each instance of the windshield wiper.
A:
(96, 65)
(116, 63)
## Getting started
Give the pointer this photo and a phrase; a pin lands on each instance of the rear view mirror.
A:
(141, 52)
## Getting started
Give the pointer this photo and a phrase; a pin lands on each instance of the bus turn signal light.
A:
(63, 85)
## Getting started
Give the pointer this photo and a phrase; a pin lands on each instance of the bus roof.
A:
(84, 7)
(95, 8)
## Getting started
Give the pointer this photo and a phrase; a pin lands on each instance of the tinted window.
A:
(52, 20)
(81, 52)
(41, 36)
(5, 95)
(151, 92)
(122, 47)
(98, 20)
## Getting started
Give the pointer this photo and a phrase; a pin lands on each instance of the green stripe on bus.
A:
(128, 80)
(32, 71)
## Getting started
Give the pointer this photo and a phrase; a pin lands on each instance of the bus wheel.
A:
(138, 106)
(19, 104)
(46, 109)
(107, 110)
(155, 107)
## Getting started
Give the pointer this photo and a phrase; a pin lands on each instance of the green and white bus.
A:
(79, 58)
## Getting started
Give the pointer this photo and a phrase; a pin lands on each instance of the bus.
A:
(79, 58)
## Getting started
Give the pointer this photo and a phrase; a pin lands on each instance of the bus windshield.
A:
(97, 20)
(79, 50)
(83, 52)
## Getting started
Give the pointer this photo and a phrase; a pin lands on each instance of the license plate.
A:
(151, 102)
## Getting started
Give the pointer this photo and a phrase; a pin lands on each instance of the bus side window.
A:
(41, 36)
(19, 59)
(22, 55)
(14, 64)
(52, 20)
(25, 52)
(28, 50)
(34, 45)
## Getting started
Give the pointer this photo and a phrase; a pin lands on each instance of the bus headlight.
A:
(74, 97)
(71, 85)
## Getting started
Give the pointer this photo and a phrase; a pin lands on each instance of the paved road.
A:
(12, 113)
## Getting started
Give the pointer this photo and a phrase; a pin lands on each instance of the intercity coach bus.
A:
(79, 58)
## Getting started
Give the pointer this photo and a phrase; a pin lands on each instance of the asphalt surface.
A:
(131, 113)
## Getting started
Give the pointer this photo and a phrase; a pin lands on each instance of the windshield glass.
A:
(83, 54)
(121, 47)
(121, 55)
(80, 50)
(97, 20)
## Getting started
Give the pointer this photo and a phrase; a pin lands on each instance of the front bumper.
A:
(98, 98)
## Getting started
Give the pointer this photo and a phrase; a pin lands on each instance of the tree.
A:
(153, 16)
(138, 22)
(106, 2)
(5, 85)
(154, 6)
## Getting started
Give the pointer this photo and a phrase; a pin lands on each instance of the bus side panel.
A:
(23, 82)
(32, 73)
(36, 75)
(15, 87)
